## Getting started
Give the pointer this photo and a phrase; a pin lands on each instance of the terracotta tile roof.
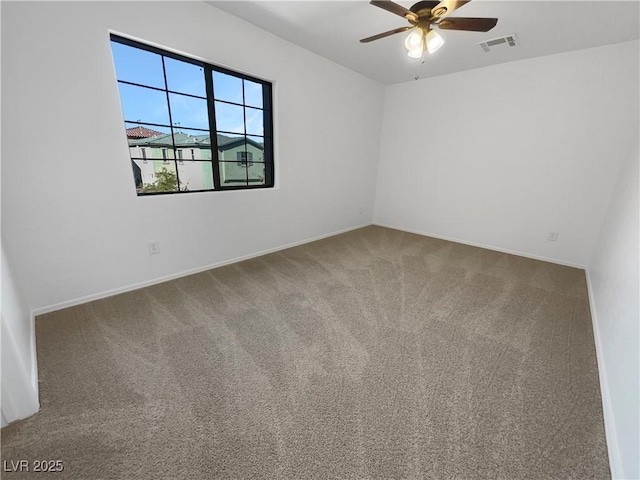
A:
(142, 132)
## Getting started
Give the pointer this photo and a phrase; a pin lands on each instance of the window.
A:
(171, 103)
(244, 158)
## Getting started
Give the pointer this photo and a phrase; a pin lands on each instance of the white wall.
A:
(73, 226)
(615, 296)
(501, 156)
(19, 396)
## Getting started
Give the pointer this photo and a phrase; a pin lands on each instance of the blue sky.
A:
(147, 105)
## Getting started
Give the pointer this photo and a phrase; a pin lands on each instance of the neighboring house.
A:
(141, 132)
(136, 133)
(241, 160)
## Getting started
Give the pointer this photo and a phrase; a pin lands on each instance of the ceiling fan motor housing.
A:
(425, 9)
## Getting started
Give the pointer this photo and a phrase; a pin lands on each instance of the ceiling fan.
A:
(425, 14)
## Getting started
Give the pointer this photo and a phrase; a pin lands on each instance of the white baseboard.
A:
(481, 245)
(615, 460)
(165, 278)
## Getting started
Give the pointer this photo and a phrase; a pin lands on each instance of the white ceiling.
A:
(332, 29)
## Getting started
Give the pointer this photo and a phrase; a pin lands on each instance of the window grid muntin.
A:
(163, 90)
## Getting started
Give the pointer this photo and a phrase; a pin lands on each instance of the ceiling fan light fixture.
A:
(415, 53)
(434, 41)
(414, 39)
(415, 43)
(423, 16)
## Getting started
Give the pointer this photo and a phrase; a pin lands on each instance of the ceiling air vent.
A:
(507, 40)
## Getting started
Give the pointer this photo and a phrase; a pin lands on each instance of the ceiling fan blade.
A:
(385, 34)
(445, 7)
(389, 6)
(471, 24)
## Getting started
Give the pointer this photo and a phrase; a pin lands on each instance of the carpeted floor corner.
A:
(374, 354)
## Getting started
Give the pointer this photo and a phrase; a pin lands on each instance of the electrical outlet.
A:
(154, 247)
(552, 236)
(361, 210)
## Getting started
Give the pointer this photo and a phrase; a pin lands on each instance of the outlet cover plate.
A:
(154, 247)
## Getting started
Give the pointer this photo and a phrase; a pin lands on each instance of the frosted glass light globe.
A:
(434, 41)
(414, 39)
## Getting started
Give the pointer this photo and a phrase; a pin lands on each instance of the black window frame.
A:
(208, 69)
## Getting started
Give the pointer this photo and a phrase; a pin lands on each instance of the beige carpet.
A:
(371, 354)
